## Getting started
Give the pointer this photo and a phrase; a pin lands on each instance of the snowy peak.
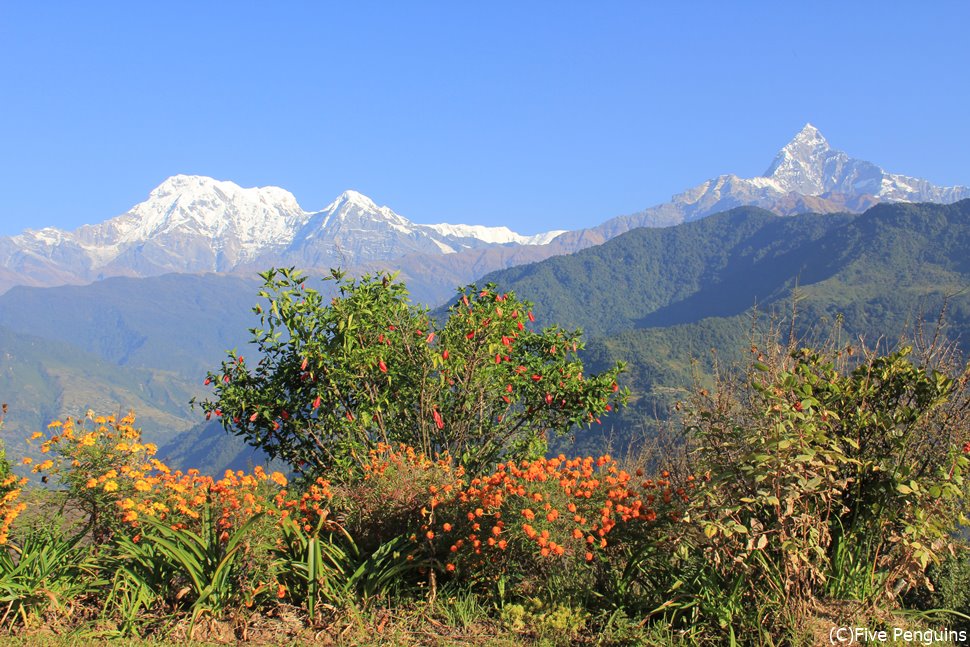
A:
(192, 223)
(801, 165)
(809, 166)
(807, 174)
(351, 198)
(221, 211)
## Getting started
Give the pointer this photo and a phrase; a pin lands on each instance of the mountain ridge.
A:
(194, 224)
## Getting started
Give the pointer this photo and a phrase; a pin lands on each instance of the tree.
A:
(335, 378)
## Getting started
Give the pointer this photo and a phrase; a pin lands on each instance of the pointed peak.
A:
(809, 133)
(808, 138)
(799, 163)
(352, 198)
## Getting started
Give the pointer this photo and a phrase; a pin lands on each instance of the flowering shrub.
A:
(539, 516)
(397, 494)
(10, 488)
(117, 481)
(339, 376)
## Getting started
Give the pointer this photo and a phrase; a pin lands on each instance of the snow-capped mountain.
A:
(806, 175)
(809, 166)
(198, 224)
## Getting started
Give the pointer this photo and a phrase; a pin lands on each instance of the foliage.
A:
(827, 480)
(336, 378)
(208, 561)
(43, 570)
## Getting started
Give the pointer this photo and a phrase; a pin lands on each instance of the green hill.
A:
(662, 299)
(176, 322)
(43, 379)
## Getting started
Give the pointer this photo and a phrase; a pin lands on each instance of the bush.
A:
(336, 377)
(828, 482)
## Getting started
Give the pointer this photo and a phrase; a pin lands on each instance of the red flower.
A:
(381, 365)
(437, 419)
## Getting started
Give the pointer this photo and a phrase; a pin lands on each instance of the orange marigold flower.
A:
(278, 478)
(446, 527)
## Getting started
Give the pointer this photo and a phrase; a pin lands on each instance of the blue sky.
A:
(536, 115)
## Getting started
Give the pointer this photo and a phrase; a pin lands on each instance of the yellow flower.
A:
(27, 460)
(110, 486)
(142, 486)
(36, 435)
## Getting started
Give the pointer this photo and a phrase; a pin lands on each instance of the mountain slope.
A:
(661, 299)
(725, 264)
(176, 322)
(41, 380)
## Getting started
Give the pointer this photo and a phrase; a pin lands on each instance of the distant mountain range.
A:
(172, 281)
(193, 224)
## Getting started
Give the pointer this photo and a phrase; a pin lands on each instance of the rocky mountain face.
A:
(193, 224)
